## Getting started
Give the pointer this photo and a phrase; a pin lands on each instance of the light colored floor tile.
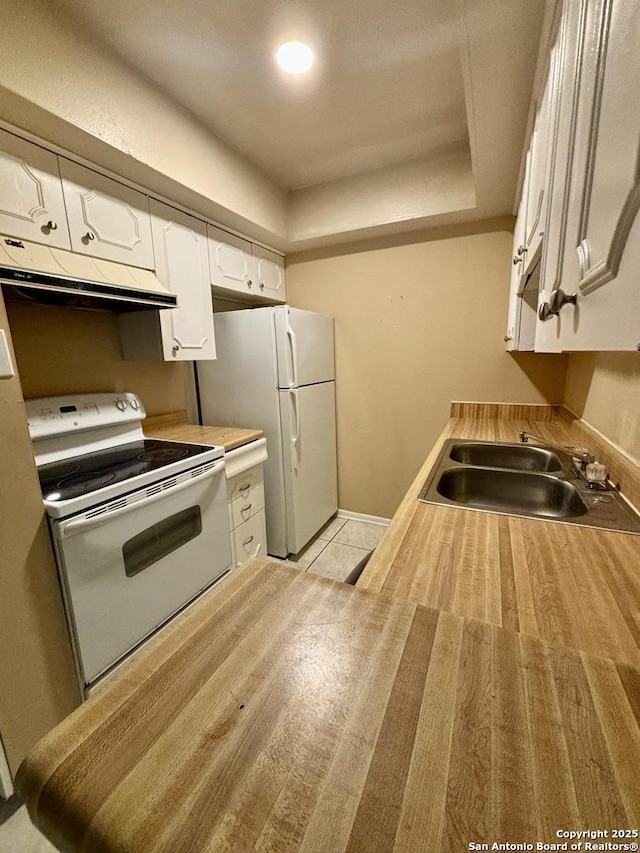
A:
(19, 835)
(330, 529)
(304, 559)
(360, 534)
(336, 561)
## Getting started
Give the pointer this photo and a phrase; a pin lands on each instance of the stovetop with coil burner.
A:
(90, 472)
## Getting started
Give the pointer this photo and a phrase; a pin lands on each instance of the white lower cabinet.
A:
(245, 499)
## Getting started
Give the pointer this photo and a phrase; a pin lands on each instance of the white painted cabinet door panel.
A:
(231, 262)
(106, 219)
(270, 274)
(180, 247)
(31, 200)
(512, 338)
(602, 253)
(536, 194)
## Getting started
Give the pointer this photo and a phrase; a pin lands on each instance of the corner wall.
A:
(603, 388)
(419, 323)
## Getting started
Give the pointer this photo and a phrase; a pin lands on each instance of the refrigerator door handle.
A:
(295, 436)
(293, 371)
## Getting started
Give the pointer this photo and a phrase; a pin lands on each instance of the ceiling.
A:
(398, 88)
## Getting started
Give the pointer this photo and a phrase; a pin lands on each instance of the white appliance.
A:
(139, 526)
(275, 371)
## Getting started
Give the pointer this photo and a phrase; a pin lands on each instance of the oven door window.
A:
(154, 543)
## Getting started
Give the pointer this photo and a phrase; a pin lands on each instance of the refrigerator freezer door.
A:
(305, 347)
(309, 454)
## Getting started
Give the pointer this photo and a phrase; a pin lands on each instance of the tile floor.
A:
(334, 552)
(338, 548)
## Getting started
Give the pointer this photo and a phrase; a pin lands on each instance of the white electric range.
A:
(139, 526)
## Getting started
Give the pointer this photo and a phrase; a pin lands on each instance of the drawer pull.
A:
(248, 541)
(245, 508)
(244, 488)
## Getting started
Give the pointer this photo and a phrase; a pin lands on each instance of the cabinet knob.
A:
(174, 349)
(521, 250)
(262, 285)
(89, 236)
(544, 312)
(51, 225)
(249, 283)
(516, 260)
(559, 299)
(507, 338)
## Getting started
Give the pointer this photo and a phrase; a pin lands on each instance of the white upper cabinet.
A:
(106, 219)
(269, 269)
(184, 333)
(230, 261)
(240, 266)
(589, 293)
(182, 264)
(31, 201)
(601, 256)
(535, 193)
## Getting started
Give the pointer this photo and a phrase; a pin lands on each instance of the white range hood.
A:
(45, 274)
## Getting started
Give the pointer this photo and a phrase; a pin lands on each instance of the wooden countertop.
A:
(288, 712)
(562, 583)
(173, 426)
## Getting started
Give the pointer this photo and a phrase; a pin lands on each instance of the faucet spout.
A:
(580, 454)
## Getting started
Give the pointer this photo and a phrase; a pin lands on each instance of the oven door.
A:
(129, 565)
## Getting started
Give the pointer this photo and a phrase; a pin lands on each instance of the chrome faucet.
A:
(580, 454)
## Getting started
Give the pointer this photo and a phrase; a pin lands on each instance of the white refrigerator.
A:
(275, 371)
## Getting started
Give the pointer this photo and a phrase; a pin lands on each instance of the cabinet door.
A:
(230, 261)
(602, 251)
(31, 202)
(536, 195)
(270, 274)
(180, 246)
(517, 262)
(106, 219)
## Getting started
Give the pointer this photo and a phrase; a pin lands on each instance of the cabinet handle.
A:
(558, 299)
(262, 285)
(89, 236)
(521, 250)
(245, 508)
(244, 488)
(51, 225)
(249, 283)
(248, 541)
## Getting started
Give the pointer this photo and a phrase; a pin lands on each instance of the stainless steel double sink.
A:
(524, 480)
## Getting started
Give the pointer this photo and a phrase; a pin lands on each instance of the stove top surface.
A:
(90, 472)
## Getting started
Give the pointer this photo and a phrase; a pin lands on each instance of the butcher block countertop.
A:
(480, 684)
(174, 427)
(563, 583)
(288, 712)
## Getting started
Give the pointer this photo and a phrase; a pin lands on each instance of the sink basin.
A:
(512, 491)
(519, 457)
(524, 480)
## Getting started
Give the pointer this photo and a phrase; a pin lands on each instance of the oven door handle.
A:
(69, 528)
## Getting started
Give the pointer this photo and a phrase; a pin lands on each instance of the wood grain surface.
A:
(173, 426)
(287, 712)
(565, 584)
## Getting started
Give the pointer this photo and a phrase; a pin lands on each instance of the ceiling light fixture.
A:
(295, 57)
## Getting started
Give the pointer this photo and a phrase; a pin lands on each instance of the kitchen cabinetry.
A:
(106, 219)
(244, 268)
(32, 203)
(589, 298)
(245, 497)
(186, 332)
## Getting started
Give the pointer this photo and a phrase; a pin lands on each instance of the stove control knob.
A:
(133, 402)
(121, 404)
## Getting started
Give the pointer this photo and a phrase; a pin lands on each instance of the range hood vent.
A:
(34, 273)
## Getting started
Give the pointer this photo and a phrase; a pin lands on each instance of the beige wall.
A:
(58, 83)
(604, 389)
(37, 680)
(417, 325)
(66, 351)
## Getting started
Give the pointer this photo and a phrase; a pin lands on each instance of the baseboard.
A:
(359, 516)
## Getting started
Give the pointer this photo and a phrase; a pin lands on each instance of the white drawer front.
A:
(250, 539)
(247, 505)
(240, 485)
